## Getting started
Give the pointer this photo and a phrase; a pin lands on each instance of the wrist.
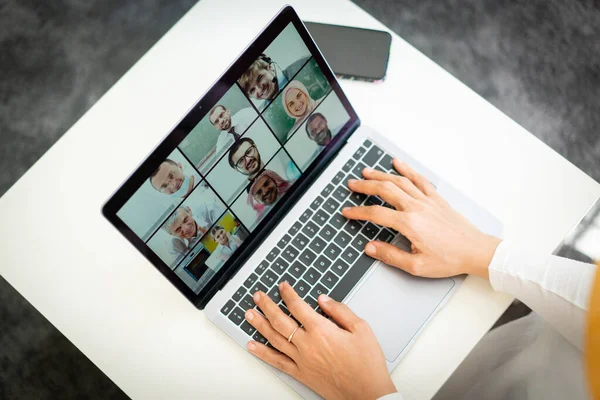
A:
(482, 255)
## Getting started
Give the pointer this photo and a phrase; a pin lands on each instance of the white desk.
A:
(111, 303)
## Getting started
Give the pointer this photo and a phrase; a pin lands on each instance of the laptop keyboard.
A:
(323, 252)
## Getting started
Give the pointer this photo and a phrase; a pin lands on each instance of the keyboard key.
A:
(327, 233)
(247, 303)
(354, 274)
(370, 230)
(258, 287)
(404, 243)
(300, 241)
(338, 178)
(386, 162)
(316, 203)
(330, 279)
(373, 201)
(337, 220)
(312, 276)
(333, 251)
(269, 278)
(311, 302)
(350, 255)
(239, 294)
(284, 309)
(305, 215)
(273, 254)
(251, 280)
(297, 269)
(284, 241)
(318, 290)
(340, 267)
(372, 156)
(262, 267)
(331, 205)
(274, 294)
(236, 316)
(389, 206)
(307, 257)
(342, 239)
(310, 229)
(385, 236)
(279, 266)
(358, 169)
(359, 153)
(259, 338)
(357, 198)
(379, 168)
(353, 227)
(295, 228)
(317, 245)
(290, 253)
(249, 329)
(322, 263)
(350, 176)
(348, 166)
(288, 278)
(227, 307)
(359, 242)
(327, 191)
(302, 288)
(341, 194)
(367, 143)
(321, 217)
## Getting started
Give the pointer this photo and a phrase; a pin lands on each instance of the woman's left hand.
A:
(337, 362)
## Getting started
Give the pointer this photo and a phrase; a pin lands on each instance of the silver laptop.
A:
(246, 192)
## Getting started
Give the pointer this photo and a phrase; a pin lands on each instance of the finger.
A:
(391, 255)
(401, 181)
(417, 179)
(274, 358)
(377, 214)
(387, 190)
(340, 313)
(282, 323)
(298, 307)
(275, 338)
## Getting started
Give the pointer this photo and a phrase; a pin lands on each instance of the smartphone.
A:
(353, 53)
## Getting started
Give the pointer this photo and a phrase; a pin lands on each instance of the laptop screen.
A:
(200, 203)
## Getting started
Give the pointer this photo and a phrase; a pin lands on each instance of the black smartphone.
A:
(353, 53)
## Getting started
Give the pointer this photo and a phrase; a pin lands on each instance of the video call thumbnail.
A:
(205, 199)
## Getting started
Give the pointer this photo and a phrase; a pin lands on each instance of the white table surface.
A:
(109, 301)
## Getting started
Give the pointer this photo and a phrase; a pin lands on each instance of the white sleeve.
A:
(392, 396)
(556, 288)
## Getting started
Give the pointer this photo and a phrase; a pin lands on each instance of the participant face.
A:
(318, 131)
(184, 226)
(221, 118)
(296, 101)
(246, 159)
(265, 190)
(221, 237)
(169, 178)
(263, 84)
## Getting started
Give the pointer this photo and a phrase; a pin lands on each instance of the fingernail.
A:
(370, 249)
(249, 315)
(368, 169)
(324, 298)
(351, 181)
(256, 297)
(346, 209)
(251, 346)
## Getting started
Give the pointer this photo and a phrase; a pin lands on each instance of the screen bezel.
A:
(191, 119)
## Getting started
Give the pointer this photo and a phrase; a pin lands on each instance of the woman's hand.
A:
(444, 243)
(342, 361)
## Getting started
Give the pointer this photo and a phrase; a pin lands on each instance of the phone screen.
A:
(353, 52)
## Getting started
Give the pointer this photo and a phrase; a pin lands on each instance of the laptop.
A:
(246, 191)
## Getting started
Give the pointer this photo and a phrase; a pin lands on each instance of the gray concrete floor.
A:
(537, 61)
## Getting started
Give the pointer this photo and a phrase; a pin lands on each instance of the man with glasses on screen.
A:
(245, 158)
(170, 179)
(231, 126)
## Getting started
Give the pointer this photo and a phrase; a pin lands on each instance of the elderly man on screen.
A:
(170, 179)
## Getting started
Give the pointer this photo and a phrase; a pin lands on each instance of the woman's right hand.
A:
(444, 243)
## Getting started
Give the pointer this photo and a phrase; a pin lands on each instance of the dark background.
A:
(538, 61)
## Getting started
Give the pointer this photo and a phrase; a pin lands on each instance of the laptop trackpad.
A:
(396, 305)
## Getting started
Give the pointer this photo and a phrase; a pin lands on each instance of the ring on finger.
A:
(292, 334)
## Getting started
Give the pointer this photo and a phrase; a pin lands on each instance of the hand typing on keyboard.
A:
(342, 361)
(444, 243)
